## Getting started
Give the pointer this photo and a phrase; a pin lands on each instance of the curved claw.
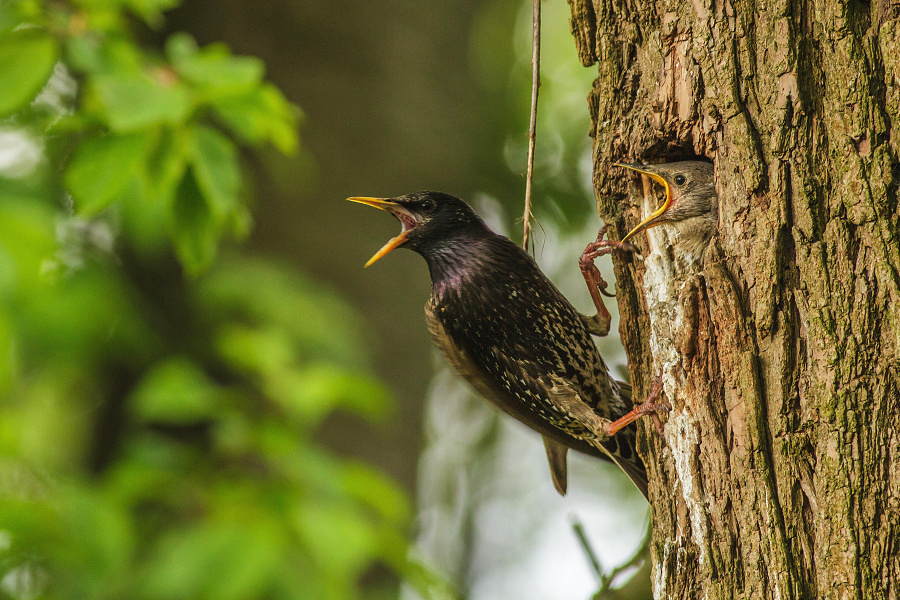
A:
(653, 404)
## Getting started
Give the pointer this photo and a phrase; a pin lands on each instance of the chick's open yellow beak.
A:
(393, 208)
(649, 221)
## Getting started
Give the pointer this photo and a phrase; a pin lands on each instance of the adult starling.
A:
(691, 205)
(508, 331)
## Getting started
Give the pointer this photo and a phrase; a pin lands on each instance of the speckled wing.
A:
(482, 382)
(546, 398)
(584, 430)
(543, 390)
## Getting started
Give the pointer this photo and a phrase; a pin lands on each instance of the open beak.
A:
(651, 220)
(407, 220)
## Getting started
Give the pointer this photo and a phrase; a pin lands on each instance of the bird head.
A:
(429, 220)
(690, 191)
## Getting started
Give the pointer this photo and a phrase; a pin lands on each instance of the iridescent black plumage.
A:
(507, 329)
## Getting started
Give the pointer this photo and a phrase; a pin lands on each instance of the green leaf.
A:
(310, 394)
(101, 539)
(103, 54)
(194, 229)
(330, 328)
(215, 560)
(375, 489)
(26, 62)
(148, 470)
(27, 240)
(165, 165)
(215, 161)
(266, 352)
(88, 541)
(151, 11)
(175, 391)
(136, 100)
(143, 221)
(213, 67)
(6, 344)
(9, 17)
(103, 167)
(340, 539)
(109, 324)
(261, 115)
(180, 47)
(145, 205)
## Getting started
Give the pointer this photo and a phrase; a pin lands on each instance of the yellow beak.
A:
(649, 221)
(392, 207)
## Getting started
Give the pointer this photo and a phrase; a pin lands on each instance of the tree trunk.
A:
(779, 472)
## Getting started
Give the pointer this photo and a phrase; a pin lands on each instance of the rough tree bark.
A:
(779, 473)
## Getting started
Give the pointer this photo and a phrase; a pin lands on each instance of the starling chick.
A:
(691, 206)
(508, 331)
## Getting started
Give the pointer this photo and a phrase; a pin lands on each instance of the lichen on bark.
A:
(779, 472)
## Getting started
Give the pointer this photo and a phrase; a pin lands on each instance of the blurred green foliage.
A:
(159, 404)
(500, 57)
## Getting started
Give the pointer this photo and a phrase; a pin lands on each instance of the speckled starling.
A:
(508, 331)
(691, 205)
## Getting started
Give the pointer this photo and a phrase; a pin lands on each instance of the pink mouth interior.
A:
(407, 220)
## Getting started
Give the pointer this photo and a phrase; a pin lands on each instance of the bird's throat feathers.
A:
(453, 265)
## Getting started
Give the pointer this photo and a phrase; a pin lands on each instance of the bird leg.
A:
(599, 323)
(650, 406)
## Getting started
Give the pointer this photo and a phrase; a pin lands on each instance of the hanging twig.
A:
(532, 128)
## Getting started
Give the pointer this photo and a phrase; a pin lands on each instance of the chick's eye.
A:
(679, 180)
(427, 205)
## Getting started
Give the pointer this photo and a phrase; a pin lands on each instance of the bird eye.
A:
(679, 180)
(427, 205)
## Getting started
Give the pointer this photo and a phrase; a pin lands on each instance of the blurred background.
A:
(204, 395)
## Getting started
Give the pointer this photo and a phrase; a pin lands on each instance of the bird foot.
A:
(600, 246)
(651, 406)
(655, 403)
(594, 250)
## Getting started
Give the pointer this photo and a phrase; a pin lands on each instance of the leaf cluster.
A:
(155, 133)
(159, 405)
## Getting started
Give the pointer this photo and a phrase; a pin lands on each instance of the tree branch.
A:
(606, 578)
(532, 128)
